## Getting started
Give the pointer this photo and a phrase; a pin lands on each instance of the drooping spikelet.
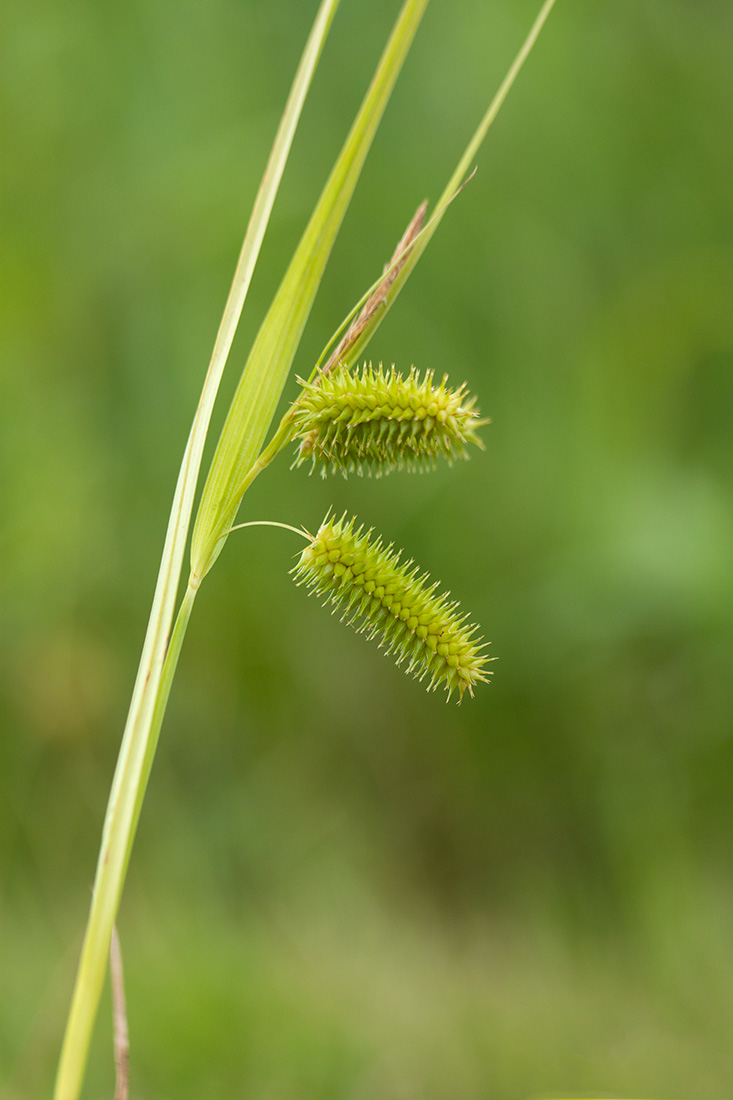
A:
(384, 597)
(374, 421)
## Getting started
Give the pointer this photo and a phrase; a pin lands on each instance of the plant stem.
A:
(158, 659)
(256, 398)
(123, 813)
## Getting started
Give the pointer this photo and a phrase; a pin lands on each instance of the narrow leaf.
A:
(267, 368)
(138, 742)
(417, 246)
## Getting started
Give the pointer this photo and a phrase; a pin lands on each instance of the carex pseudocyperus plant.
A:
(348, 418)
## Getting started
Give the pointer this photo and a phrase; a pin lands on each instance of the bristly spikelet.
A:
(384, 597)
(375, 421)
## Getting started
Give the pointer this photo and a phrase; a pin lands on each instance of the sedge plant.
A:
(350, 417)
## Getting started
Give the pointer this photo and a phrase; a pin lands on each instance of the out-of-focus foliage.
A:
(343, 887)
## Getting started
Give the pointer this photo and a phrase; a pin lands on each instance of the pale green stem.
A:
(281, 438)
(268, 365)
(123, 815)
(494, 107)
(458, 178)
(166, 681)
(271, 523)
(158, 659)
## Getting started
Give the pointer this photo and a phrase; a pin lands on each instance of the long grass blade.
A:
(269, 362)
(134, 757)
(462, 170)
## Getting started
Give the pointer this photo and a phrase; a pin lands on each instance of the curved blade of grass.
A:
(421, 240)
(269, 362)
(143, 723)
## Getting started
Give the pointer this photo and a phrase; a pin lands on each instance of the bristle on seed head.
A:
(386, 598)
(375, 420)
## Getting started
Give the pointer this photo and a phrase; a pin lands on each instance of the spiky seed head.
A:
(389, 599)
(375, 420)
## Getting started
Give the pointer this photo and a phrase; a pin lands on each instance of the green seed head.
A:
(388, 599)
(376, 421)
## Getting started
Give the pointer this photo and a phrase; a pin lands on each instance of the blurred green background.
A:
(342, 887)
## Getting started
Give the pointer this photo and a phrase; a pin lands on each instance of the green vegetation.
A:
(341, 888)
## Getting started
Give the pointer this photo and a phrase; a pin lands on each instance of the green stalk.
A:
(158, 659)
(455, 182)
(133, 773)
(255, 402)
